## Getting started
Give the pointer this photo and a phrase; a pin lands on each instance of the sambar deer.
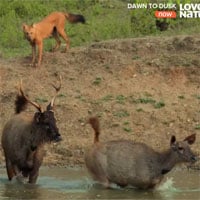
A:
(125, 162)
(24, 136)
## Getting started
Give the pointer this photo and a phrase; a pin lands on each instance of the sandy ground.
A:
(143, 89)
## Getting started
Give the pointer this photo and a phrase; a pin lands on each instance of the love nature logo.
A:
(169, 10)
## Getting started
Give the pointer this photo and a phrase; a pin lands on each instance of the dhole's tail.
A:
(94, 122)
(73, 18)
(20, 104)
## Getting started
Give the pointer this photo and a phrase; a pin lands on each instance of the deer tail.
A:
(94, 122)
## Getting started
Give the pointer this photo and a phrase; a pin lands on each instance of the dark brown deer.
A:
(24, 136)
(126, 162)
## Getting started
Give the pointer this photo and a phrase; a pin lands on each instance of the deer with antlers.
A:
(24, 136)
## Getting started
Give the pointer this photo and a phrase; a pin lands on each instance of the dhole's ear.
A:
(190, 139)
(33, 25)
(24, 27)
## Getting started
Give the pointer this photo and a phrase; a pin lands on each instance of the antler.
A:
(31, 102)
(50, 106)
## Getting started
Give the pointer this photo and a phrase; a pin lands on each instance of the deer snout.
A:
(57, 137)
(194, 159)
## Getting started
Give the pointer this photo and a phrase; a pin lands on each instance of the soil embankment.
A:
(143, 89)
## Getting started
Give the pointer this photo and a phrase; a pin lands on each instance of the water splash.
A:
(168, 185)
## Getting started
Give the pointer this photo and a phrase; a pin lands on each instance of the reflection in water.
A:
(62, 183)
(53, 183)
(16, 190)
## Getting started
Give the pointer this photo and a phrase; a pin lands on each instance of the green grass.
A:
(97, 81)
(121, 113)
(197, 127)
(123, 100)
(120, 99)
(126, 123)
(145, 100)
(61, 95)
(139, 110)
(127, 129)
(40, 100)
(181, 97)
(81, 98)
(198, 96)
(159, 104)
(108, 97)
(109, 19)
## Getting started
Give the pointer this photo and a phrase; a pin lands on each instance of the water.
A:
(64, 184)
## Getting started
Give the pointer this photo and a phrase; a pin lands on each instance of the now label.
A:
(165, 14)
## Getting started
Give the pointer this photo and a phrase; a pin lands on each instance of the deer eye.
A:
(47, 126)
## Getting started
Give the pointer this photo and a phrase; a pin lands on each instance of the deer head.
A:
(45, 120)
(182, 148)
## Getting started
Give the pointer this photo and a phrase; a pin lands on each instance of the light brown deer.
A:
(125, 162)
(24, 136)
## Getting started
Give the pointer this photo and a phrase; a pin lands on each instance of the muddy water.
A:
(62, 183)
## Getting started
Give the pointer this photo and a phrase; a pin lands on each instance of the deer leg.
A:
(106, 184)
(33, 175)
(37, 161)
(104, 181)
(10, 170)
(19, 174)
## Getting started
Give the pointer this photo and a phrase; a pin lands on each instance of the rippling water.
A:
(64, 183)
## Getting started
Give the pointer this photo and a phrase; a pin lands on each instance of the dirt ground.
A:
(143, 89)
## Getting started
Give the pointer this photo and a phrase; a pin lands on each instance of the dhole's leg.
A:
(40, 48)
(64, 36)
(10, 170)
(58, 41)
(33, 54)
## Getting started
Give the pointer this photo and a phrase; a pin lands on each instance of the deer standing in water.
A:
(126, 162)
(24, 136)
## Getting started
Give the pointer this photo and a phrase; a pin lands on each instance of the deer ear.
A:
(37, 117)
(173, 140)
(190, 139)
(49, 107)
